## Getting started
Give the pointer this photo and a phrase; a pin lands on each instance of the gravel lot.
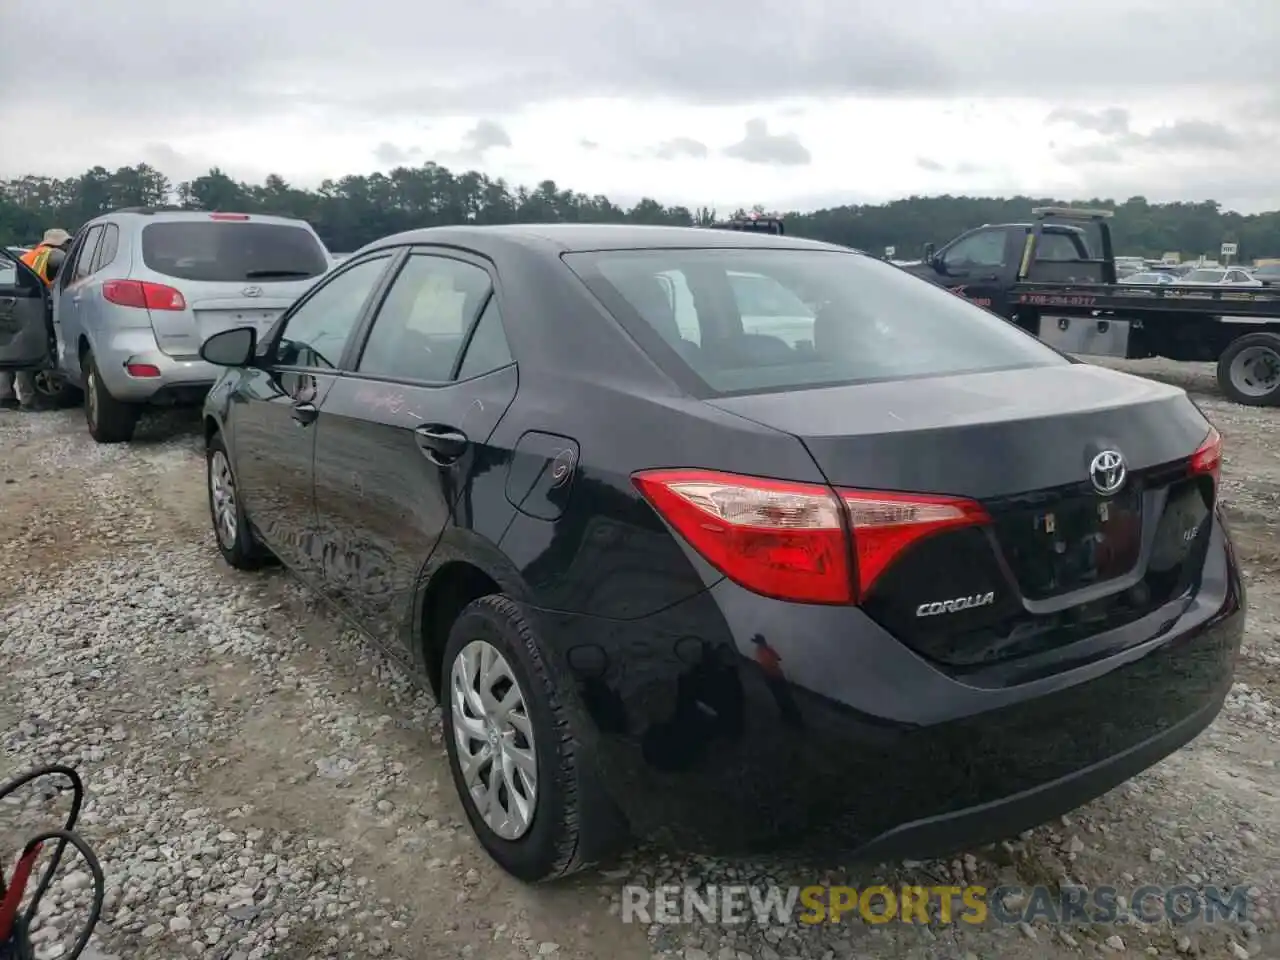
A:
(264, 784)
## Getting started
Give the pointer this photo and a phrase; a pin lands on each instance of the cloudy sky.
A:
(789, 103)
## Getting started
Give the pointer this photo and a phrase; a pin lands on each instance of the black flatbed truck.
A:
(1050, 279)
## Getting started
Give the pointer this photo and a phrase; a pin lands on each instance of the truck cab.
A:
(983, 264)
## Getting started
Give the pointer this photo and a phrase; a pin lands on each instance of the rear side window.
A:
(108, 247)
(424, 319)
(1057, 246)
(783, 319)
(232, 251)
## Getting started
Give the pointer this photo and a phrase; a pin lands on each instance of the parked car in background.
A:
(905, 581)
(1268, 275)
(1154, 276)
(142, 289)
(1219, 277)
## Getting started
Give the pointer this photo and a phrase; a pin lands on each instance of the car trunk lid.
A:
(1061, 552)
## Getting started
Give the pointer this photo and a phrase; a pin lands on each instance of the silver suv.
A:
(141, 290)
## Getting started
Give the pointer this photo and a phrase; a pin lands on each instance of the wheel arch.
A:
(463, 567)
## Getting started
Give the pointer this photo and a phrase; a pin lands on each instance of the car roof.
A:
(556, 238)
(169, 216)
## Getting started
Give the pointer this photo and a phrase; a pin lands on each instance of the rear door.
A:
(24, 311)
(232, 270)
(404, 434)
(78, 290)
(68, 316)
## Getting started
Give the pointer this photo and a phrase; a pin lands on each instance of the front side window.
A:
(316, 333)
(856, 319)
(982, 249)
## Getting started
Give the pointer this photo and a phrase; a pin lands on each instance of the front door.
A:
(404, 435)
(977, 266)
(276, 408)
(24, 316)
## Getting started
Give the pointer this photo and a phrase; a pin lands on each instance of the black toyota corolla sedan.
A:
(727, 537)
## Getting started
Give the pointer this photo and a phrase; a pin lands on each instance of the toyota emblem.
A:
(251, 292)
(1108, 472)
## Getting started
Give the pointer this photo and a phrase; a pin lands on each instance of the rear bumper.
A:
(180, 380)
(862, 746)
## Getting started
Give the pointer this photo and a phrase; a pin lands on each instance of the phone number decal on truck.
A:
(1057, 300)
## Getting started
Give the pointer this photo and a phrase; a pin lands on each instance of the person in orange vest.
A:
(47, 256)
(45, 259)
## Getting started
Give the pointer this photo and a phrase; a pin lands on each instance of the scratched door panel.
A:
(381, 503)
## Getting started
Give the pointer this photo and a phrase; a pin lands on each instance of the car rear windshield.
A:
(756, 320)
(233, 251)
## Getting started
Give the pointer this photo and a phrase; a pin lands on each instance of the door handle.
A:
(305, 413)
(440, 444)
(990, 276)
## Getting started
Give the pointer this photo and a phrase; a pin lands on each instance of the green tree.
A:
(353, 210)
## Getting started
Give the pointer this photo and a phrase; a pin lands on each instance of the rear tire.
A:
(109, 420)
(1249, 370)
(571, 823)
(231, 529)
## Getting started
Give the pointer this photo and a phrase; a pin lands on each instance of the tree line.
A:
(356, 209)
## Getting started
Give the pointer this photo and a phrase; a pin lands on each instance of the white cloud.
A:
(938, 98)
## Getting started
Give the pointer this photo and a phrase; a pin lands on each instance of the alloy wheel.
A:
(494, 737)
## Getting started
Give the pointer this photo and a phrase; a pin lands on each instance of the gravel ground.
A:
(264, 784)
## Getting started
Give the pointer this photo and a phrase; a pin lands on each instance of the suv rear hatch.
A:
(1049, 559)
(229, 270)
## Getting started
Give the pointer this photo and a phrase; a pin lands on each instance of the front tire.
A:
(1249, 370)
(231, 530)
(529, 794)
(109, 420)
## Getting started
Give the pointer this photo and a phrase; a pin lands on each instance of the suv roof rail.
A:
(1073, 213)
(148, 211)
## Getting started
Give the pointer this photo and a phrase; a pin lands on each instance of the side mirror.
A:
(927, 255)
(230, 348)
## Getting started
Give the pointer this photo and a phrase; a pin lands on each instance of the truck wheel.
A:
(1249, 370)
(110, 420)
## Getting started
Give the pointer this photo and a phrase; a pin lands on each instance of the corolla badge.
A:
(956, 605)
(251, 291)
(1108, 472)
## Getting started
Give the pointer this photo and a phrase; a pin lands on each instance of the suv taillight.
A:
(792, 541)
(143, 295)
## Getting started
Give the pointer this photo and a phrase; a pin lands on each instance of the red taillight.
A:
(1207, 460)
(788, 540)
(779, 539)
(143, 295)
(228, 216)
(885, 524)
(142, 369)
